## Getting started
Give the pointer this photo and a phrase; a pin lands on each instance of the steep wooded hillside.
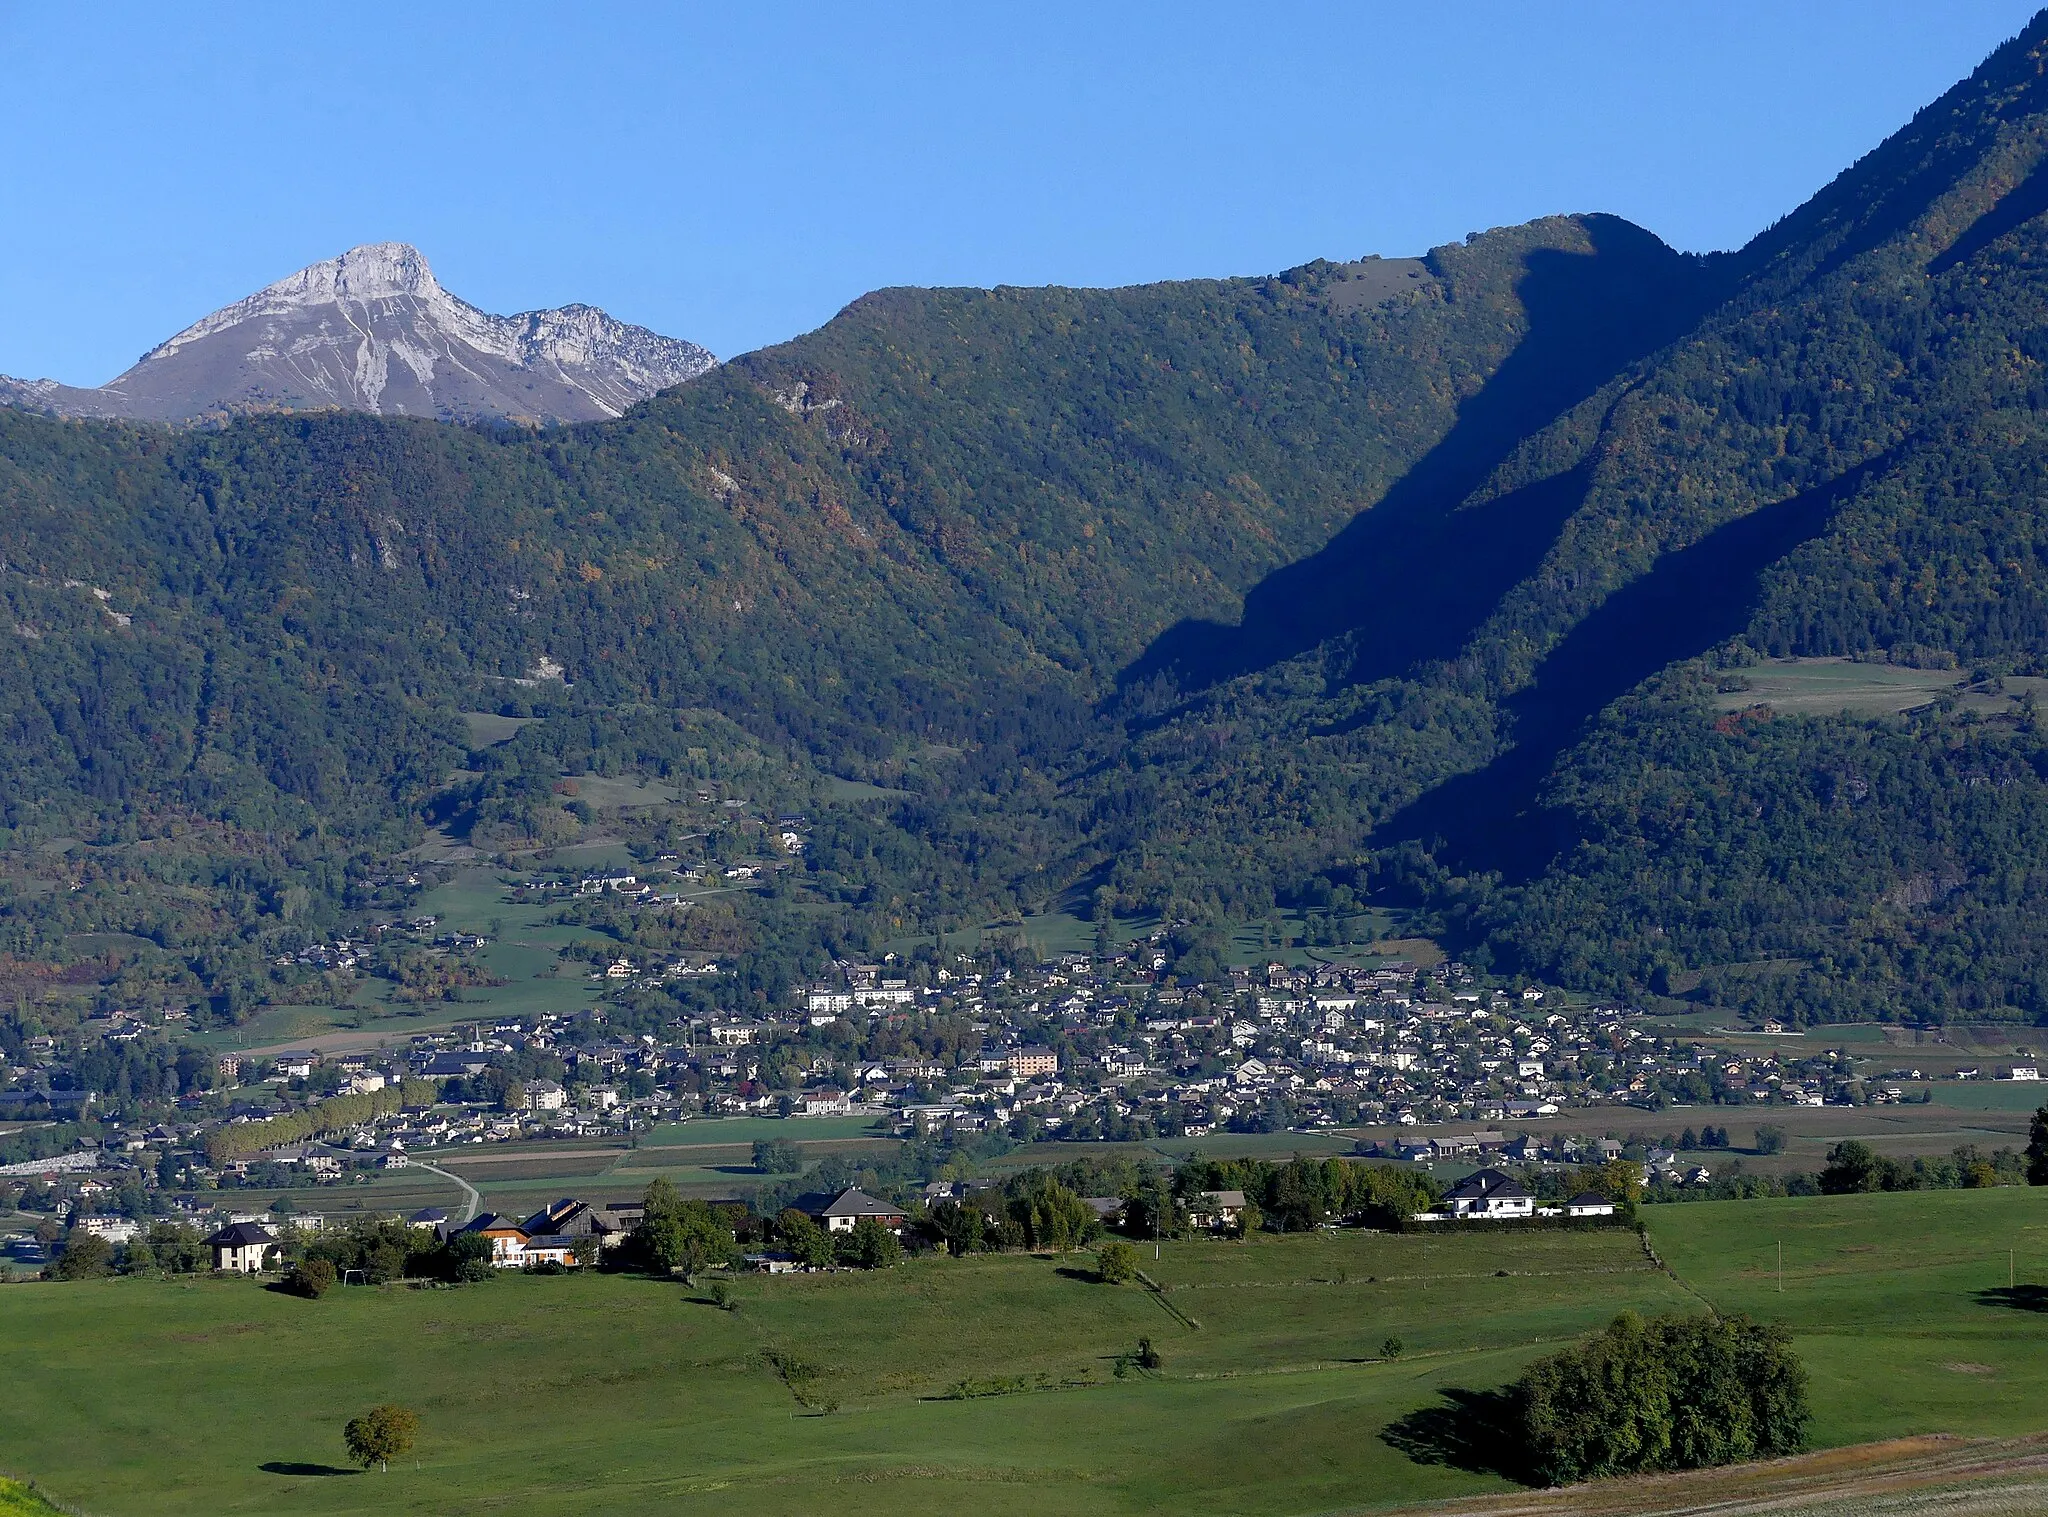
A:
(1842, 458)
(1425, 581)
(912, 526)
(912, 547)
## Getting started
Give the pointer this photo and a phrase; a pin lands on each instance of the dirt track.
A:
(1905, 1477)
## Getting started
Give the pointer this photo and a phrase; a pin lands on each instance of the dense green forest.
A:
(1361, 582)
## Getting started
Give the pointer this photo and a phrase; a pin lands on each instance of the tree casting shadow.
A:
(1474, 1432)
(295, 1467)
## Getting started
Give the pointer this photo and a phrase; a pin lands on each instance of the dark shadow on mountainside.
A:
(1691, 600)
(2015, 208)
(1387, 575)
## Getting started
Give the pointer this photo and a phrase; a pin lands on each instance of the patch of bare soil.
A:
(1903, 1477)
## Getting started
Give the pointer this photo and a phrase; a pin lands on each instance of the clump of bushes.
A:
(1144, 1357)
(1666, 1393)
(311, 1278)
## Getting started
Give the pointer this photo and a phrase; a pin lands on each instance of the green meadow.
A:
(18, 1500)
(845, 1391)
(523, 955)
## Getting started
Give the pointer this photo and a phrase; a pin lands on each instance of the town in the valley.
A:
(958, 1051)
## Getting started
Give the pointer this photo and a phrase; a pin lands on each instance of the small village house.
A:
(242, 1247)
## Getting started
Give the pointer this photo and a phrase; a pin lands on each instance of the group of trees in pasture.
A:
(681, 1233)
(1663, 1393)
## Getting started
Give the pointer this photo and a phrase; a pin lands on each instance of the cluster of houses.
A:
(1662, 1166)
(1432, 1063)
(567, 1233)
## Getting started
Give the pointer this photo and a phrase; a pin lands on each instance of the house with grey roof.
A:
(840, 1213)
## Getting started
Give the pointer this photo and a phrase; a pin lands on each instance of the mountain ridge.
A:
(1417, 584)
(373, 330)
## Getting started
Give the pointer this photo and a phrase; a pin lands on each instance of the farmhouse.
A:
(841, 1212)
(567, 1220)
(508, 1239)
(560, 1251)
(826, 1102)
(1216, 1208)
(1489, 1195)
(243, 1248)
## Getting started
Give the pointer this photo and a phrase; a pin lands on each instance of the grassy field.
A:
(635, 1395)
(487, 729)
(711, 1158)
(1902, 1303)
(1826, 686)
(523, 955)
(18, 1500)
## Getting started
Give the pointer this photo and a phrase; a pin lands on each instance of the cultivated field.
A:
(711, 1158)
(133, 1396)
(1840, 686)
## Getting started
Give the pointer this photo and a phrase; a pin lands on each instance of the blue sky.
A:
(735, 174)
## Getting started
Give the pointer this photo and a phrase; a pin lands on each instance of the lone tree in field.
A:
(1116, 1263)
(380, 1435)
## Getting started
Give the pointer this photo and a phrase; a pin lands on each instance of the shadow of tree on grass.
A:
(294, 1467)
(1474, 1431)
(2019, 1298)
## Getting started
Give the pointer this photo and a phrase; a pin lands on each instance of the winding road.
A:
(471, 1199)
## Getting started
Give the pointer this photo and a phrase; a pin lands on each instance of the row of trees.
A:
(242, 1139)
(1305, 1193)
(1854, 1167)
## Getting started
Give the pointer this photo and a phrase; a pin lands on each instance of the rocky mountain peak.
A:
(374, 330)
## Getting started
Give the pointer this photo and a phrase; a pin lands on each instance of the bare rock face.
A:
(374, 331)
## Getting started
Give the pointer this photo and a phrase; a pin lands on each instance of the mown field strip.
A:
(1905, 1477)
(456, 1159)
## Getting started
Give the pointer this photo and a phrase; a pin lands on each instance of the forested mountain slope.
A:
(903, 527)
(1844, 457)
(916, 543)
(1413, 580)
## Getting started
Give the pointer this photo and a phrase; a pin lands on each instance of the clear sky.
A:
(736, 173)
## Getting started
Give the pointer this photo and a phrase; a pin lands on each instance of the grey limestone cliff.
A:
(373, 330)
